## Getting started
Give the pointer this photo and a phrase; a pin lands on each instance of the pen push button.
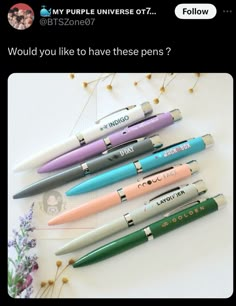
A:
(85, 168)
(208, 140)
(81, 139)
(107, 142)
(129, 220)
(148, 233)
(122, 195)
(138, 166)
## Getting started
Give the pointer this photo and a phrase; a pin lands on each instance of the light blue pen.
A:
(157, 159)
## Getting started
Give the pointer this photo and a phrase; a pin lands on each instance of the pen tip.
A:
(17, 168)
(46, 168)
(76, 190)
(17, 196)
(59, 252)
(52, 221)
(69, 193)
(23, 166)
(41, 170)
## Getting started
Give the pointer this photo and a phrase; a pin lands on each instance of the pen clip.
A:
(154, 173)
(117, 111)
(124, 144)
(170, 146)
(141, 121)
(166, 192)
(181, 207)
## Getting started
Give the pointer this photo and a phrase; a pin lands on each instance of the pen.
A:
(142, 128)
(180, 216)
(149, 183)
(157, 159)
(102, 127)
(111, 157)
(156, 206)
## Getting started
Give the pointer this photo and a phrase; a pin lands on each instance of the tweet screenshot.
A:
(119, 150)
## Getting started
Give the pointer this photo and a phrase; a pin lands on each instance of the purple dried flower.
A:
(11, 243)
(35, 267)
(31, 243)
(28, 281)
(15, 232)
(20, 269)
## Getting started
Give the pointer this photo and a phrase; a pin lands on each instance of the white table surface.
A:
(193, 261)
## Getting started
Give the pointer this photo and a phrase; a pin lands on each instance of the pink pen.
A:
(136, 130)
(149, 183)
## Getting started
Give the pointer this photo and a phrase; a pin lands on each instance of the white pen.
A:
(157, 206)
(102, 127)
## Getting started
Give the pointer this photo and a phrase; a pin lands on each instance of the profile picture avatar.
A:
(20, 16)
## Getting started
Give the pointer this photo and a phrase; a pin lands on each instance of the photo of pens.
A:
(102, 127)
(156, 206)
(157, 159)
(108, 159)
(172, 220)
(149, 183)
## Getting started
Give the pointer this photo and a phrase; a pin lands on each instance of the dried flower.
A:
(84, 84)
(149, 76)
(43, 284)
(71, 261)
(165, 84)
(109, 87)
(20, 270)
(191, 90)
(51, 284)
(162, 89)
(47, 289)
(64, 280)
(58, 263)
(102, 78)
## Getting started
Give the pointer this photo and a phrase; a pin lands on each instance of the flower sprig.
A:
(197, 74)
(167, 80)
(47, 287)
(101, 78)
(147, 76)
(21, 268)
(165, 84)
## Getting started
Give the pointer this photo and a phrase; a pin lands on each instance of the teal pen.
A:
(172, 220)
(157, 159)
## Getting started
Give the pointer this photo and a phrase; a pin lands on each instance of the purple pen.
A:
(136, 130)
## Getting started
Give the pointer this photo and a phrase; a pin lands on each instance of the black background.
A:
(197, 46)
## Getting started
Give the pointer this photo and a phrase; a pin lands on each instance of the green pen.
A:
(172, 220)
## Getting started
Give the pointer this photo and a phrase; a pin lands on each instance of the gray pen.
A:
(159, 205)
(108, 159)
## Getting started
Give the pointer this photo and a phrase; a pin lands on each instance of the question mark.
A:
(168, 49)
